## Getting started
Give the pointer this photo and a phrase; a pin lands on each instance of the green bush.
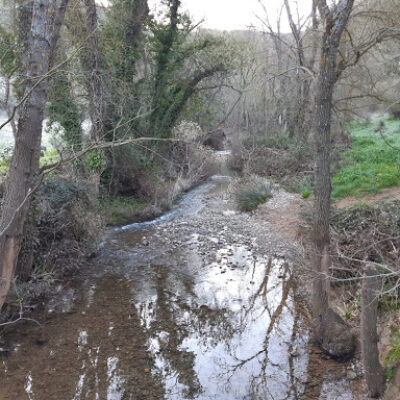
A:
(251, 192)
(305, 194)
(390, 373)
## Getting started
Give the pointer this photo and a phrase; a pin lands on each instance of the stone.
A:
(351, 375)
(334, 336)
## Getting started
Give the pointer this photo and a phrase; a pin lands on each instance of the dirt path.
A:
(200, 306)
(387, 195)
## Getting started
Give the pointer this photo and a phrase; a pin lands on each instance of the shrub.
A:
(61, 230)
(251, 192)
(277, 155)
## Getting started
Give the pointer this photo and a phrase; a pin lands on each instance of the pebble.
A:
(351, 375)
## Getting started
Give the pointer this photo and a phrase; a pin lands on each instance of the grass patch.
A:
(390, 373)
(371, 165)
(295, 184)
(251, 192)
(119, 210)
(393, 357)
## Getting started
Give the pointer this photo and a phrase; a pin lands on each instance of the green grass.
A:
(120, 210)
(305, 193)
(371, 165)
(393, 357)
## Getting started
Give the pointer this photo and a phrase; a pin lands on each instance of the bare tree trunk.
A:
(322, 202)
(374, 373)
(95, 86)
(335, 23)
(47, 17)
(329, 329)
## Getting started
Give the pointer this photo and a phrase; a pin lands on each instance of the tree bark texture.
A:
(335, 20)
(374, 373)
(47, 17)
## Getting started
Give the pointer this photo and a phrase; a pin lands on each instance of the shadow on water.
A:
(168, 325)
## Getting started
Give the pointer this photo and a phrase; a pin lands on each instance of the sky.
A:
(235, 14)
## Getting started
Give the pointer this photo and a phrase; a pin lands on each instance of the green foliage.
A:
(118, 210)
(393, 357)
(8, 52)
(122, 45)
(5, 158)
(305, 193)
(49, 157)
(174, 49)
(371, 165)
(94, 160)
(390, 373)
(64, 109)
(389, 303)
(252, 191)
(150, 100)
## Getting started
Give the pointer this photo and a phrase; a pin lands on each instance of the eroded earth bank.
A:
(202, 304)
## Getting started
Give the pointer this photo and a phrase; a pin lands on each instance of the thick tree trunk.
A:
(335, 21)
(46, 22)
(374, 373)
(322, 202)
(330, 330)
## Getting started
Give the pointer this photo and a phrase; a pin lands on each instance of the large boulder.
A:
(334, 336)
(215, 139)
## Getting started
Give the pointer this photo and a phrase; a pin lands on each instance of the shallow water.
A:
(171, 322)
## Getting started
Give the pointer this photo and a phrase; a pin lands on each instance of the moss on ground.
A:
(119, 210)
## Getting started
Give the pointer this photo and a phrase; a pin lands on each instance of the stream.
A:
(198, 304)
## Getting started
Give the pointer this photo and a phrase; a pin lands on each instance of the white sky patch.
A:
(236, 14)
(239, 14)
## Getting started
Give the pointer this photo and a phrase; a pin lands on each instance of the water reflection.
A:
(227, 331)
(231, 333)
